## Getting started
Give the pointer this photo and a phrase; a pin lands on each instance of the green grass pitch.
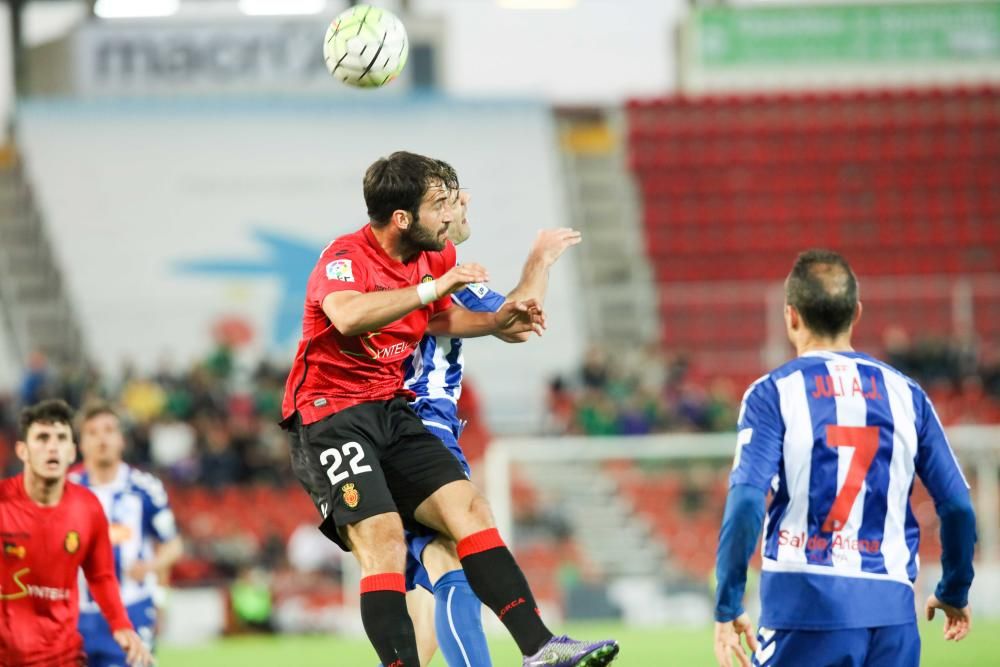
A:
(640, 648)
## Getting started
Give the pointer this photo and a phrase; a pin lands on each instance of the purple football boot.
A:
(566, 652)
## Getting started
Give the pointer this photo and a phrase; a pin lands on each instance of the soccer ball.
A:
(366, 47)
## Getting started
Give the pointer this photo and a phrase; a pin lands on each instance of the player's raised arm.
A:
(355, 313)
(549, 246)
(940, 472)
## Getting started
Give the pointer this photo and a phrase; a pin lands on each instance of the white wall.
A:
(130, 192)
(598, 51)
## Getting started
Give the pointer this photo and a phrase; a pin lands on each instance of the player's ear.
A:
(857, 315)
(21, 450)
(401, 219)
(791, 317)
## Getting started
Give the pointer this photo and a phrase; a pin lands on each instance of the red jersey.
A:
(332, 371)
(43, 551)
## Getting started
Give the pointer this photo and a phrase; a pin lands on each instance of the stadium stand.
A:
(905, 182)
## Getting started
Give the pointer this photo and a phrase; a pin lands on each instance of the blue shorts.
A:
(100, 645)
(887, 646)
(416, 574)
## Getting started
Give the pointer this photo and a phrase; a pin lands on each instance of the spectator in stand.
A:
(37, 383)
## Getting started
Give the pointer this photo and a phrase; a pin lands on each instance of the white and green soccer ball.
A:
(366, 47)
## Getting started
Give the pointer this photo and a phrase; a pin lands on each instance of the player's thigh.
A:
(378, 543)
(416, 463)
(894, 646)
(426, 565)
(457, 510)
(417, 540)
(98, 642)
(338, 462)
(797, 648)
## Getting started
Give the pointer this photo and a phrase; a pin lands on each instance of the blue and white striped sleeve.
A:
(479, 298)
(758, 454)
(158, 518)
(941, 473)
(761, 432)
(936, 462)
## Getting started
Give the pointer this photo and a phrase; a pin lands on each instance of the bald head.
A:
(823, 289)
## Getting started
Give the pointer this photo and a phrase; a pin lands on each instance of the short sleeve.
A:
(340, 269)
(158, 518)
(759, 438)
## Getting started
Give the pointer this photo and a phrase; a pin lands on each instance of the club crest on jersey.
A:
(340, 269)
(427, 278)
(351, 495)
(72, 542)
(14, 550)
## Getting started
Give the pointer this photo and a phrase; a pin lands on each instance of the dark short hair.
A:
(398, 183)
(448, 175)
(95, 409)
(823, 288)
(51, 411)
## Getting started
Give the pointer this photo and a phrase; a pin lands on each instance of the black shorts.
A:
(370, 459)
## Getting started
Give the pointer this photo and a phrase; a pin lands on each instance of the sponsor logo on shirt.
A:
(375, 352)
(24, 590)
(340, 269)
(819, 543)
(72, 542)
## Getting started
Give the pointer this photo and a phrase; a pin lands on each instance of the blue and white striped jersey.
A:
(434, 372)
(838, 438)
(139, 516)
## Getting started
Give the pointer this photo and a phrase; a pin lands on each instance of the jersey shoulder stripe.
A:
(149, 485)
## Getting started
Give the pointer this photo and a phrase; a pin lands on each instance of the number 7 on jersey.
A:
(864, 440)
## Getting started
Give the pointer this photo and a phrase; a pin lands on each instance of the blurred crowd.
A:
(212, 424)
(961, 377)
(658, 391)
(650, 391)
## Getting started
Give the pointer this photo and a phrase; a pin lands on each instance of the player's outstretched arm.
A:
(549, 246)
(514, 317)
(356, 313)
(957, 622)
(728, 641)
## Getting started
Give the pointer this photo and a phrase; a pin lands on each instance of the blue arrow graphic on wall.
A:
(287, 259)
